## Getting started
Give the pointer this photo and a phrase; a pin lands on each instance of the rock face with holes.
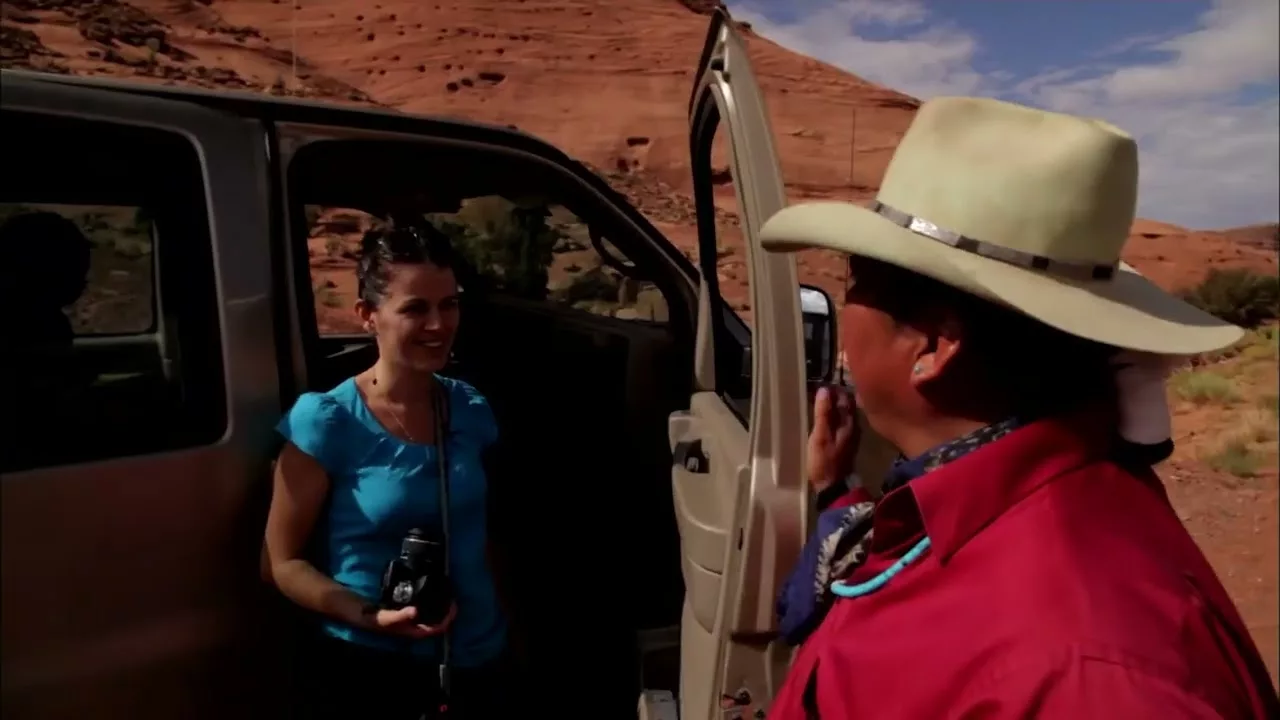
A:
(22, 48)
(701, 7)
(186, 43)
(590, 77)
(607, 81)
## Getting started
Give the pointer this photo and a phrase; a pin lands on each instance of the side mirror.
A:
(818, 312)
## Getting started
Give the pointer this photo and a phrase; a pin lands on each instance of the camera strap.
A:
(440, 409)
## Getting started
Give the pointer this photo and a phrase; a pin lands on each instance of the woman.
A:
(1024, 560)
(360, 468)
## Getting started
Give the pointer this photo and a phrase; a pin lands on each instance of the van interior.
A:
(581, 387)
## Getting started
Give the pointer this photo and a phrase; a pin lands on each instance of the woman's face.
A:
(417, 318)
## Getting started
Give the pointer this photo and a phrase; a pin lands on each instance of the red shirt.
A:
(1058, 585)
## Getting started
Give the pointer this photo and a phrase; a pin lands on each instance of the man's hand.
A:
(833, 442)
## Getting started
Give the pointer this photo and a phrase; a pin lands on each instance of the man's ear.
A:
(945, 339)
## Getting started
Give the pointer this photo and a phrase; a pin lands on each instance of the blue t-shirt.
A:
(382, 486)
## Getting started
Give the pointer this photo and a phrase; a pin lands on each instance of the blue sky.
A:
(1196, 81)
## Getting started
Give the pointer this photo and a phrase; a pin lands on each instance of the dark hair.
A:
(405, 244)
(45, 258)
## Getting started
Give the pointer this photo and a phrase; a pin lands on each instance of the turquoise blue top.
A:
(382, 486)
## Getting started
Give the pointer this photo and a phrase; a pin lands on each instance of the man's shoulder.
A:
(1102, 556)
(1104, 679)
(1099, 520)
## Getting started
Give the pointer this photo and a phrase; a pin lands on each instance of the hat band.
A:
(1030, 261)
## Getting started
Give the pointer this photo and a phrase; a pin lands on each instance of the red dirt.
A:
(588, 76)
(1176, 257)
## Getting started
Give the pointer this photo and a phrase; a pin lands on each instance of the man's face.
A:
(880, 352)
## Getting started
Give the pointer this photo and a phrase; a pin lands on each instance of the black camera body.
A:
(418, 578)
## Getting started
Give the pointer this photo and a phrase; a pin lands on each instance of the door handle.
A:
(689, 455)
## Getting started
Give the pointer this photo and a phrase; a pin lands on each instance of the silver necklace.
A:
(400, 423)
(403, 428)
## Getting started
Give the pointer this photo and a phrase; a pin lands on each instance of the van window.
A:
(722, 257)
(333, 245)
(118, 298)
(112, 343)
(543, 253)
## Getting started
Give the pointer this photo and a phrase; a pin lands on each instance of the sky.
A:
(1196, 82)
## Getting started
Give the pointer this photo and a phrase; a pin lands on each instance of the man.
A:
(1024, 560)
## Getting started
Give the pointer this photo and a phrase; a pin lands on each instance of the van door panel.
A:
(130, 585)
(704, 485)
(751, 504)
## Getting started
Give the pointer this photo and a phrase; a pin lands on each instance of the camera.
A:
(417, 578)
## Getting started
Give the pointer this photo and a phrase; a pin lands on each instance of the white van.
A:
(650, 468)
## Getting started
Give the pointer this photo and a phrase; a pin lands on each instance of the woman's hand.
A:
(833, 442)
(403, 622)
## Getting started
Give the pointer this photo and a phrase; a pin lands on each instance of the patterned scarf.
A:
(839, 545)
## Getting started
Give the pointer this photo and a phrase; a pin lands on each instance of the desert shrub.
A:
(1235, 457)
(1263, 432)
(1271, 403)
(1202, 386)
(1264, 342)
(1238, 296)
(508, 243)
(596, 284)
(328, 296)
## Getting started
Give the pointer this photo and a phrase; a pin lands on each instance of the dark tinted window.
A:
(106, 266)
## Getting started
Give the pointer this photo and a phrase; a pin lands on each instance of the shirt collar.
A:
(904, 470)
(955, 501)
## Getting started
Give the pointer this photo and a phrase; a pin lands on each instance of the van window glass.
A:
(721, 252)
(105, 247)
(333, 245)
(118, 296)
(539, 252)
(542, 251)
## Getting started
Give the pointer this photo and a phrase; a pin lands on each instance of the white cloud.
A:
(928, 59)
(1210, 154)
(887, 12)
(1209, 158)
(1236, 45)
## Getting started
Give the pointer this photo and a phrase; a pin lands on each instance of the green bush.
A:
(1238, 296)
(1202, 386)
(596, 284)
(1237, 458)
(504, 241)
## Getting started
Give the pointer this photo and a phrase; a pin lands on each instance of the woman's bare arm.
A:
(300, 487)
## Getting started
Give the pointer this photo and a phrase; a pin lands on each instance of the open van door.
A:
(739, 492)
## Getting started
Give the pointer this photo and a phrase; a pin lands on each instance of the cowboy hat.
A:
(1020, 206)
